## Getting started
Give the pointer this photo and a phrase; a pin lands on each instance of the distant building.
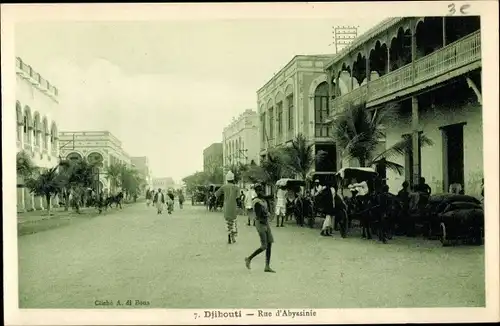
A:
(141, 164)
(100, 147)
(241, 139)
(212, 157)
(37, 107)
(294, 101)
(163, 183)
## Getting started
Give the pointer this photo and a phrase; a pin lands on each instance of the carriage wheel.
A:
(443, 238)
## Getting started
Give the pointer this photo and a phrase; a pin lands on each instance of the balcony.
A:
(456, 55)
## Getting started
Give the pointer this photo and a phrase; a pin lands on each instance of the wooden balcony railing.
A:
(455, 55)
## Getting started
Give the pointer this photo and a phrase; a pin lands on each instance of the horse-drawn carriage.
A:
(356, 198)
(214, 202)
(294, 202)
(199, 195)
(451, 217)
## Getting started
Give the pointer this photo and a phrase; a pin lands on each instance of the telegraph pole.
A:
(343, 36)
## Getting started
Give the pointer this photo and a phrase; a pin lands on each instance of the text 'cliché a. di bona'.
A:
(216, 314)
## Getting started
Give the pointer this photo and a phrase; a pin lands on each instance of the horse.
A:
(116, 199)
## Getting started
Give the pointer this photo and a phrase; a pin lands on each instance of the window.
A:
(271, 123)
(19, 118)
(321, 110)
(263, 126)
(280, 118)
(290, 111)
(25, 124)
(44, 134)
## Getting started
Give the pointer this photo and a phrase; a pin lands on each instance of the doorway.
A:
(453, 155)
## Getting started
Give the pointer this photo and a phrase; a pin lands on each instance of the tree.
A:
(358, 133)
(300, 157)
(195, 179)
(131, 181)
(24, 165)
(76, 176)
(48, 183)
(114, 173)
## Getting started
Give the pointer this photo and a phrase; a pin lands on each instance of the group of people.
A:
(159, 199)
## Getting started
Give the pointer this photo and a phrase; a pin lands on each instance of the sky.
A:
(166, 89)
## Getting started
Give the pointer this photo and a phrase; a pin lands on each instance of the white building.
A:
(241, 139)
(37, 132)
(100, 147)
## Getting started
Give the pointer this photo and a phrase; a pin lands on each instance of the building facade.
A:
(213, 157)
(99, 147)
(163, 183)
(241, 140)
(37, 107)
(431, 68)
(295, 101)
(141, 164)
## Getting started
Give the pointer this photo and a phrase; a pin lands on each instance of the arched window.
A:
(19, 122)
(27, 125)
(45, 133)
(74, 156)
(321, 110)
(53, 137)
(36, 129)
(96, 158)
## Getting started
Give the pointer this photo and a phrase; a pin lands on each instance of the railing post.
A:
(413, 49)
(368, 72)
(415, 140)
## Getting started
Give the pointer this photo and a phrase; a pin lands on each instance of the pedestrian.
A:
(248, 204)
(181, 199)
(159, 201)
(328, 205)
(262, 216)
(170, 201)
(280, 209)
(149, 195)
(241, 202)
(423, 187)
(230, 192)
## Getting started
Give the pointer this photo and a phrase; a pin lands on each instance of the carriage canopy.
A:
(327, 178)
(357, 172)
(290, 183)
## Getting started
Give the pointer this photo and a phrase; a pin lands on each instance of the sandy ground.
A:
(183, 261)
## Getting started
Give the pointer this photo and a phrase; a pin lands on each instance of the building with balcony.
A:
(37, 107)
(431, 68)
(241, 140)
(295, 101)
(141, 164)
(99, 147)
(212, 157)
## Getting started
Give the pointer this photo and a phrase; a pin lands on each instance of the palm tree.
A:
(75, 177)
(47, 184)
(358, 133)
(274, 167)
(300, 157)
(24, 165)
(114, 173)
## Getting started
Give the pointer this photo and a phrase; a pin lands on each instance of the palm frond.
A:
(393, 166)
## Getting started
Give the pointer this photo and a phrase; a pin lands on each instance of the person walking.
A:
(280, 209)
(230, 191)
(248, 204)
(149, 195)
(181, 199)
(159, 201)
(262, 216)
